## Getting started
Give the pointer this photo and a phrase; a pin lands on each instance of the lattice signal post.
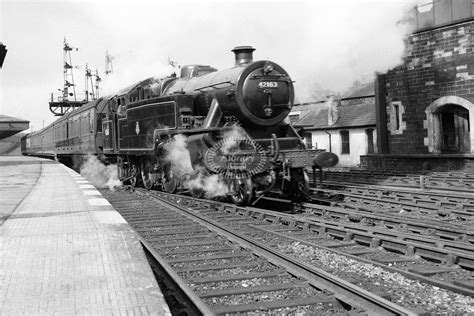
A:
(64, 104)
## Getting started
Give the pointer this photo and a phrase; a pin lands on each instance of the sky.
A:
(324, 45)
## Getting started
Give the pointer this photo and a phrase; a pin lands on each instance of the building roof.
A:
(5, 118)
(10, 126)
(349, 116)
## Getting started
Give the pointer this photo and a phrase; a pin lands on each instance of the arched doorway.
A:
(454, 129)
(449, 125)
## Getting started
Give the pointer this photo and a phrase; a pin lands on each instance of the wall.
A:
(357, 142)
(438, 63)
(11, 145)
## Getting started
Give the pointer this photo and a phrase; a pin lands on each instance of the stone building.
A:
(425, 107)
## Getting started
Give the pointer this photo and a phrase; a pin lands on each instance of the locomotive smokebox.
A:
(243, 54)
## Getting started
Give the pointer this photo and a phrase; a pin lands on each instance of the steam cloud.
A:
(324, 45)
(178, 155)
(100, 175)
(350, 41)
(233, 134)
(212, 185)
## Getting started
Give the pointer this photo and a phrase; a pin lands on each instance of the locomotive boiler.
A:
(208, 132)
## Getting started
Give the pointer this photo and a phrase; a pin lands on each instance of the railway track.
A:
(408, 203)
(244, 260)
(397, 223)
(440, 185)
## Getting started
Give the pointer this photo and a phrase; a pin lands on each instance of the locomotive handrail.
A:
(276, 77)
(214, 85)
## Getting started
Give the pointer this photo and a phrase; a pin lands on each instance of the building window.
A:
(396, 124)
(345, 145)
(396, 110)
(308, 137)
(370, 140)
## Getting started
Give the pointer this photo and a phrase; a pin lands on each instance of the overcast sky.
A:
(321, 43)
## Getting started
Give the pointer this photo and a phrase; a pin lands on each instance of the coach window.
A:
(345, 145)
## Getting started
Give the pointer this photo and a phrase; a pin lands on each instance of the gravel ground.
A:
(286, 278)
(207, 262)
(317, 309)
(250, 298)
(263, 267)
(403, 291)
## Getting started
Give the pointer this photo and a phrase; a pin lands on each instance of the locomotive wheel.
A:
(169, 182)
(197, 193)
(304, 187)
(298, 187)
(147, 179)
(170, 185)
(134, 176)
(147, 176)
(242, 192)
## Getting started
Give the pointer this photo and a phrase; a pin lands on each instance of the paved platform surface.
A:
(64, 250)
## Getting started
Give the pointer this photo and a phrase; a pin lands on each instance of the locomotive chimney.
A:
(243, 54)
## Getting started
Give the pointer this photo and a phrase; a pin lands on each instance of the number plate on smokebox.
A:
(268, 85)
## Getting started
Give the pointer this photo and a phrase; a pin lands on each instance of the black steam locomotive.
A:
(208, 132)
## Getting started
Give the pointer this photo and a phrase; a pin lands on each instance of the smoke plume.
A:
(324, 45)
(212, 185)
(231, 136)
(177, 154)
(100, 175)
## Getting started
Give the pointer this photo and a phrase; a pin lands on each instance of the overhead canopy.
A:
(10, 126)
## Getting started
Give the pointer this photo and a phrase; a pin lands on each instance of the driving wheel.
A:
(241, 192)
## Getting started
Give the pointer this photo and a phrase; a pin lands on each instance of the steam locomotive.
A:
(207, 132)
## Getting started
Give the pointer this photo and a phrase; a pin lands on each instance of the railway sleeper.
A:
(465, 283)
(166, 232)
(242, 308)
(429, 270)
(194, 243)
(207, 258)
(251, 289)
(252, 264)
(193, 251)
(466, 260)
(340, 233)
(259, 275)
(163, 223)
(158, 240)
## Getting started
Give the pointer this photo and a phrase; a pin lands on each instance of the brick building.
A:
(425, 107)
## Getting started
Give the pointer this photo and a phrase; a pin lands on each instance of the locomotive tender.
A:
(232, 122)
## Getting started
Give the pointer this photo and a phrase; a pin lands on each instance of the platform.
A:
(64, 250)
